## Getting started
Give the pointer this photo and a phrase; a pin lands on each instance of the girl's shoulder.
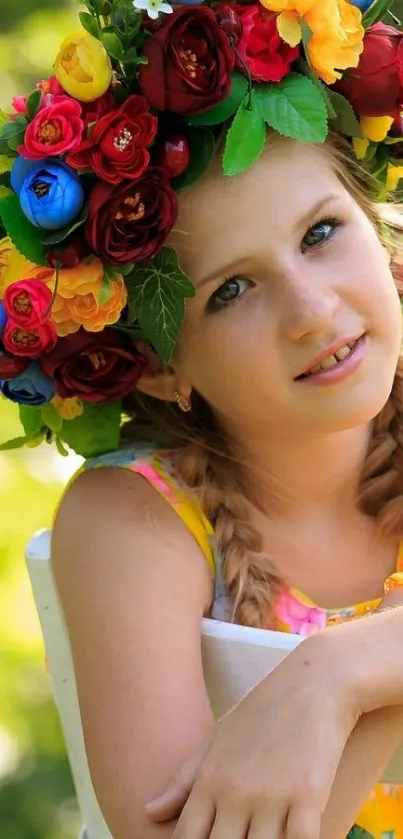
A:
(158, 469)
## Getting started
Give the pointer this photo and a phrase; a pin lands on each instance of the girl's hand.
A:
(267, 770)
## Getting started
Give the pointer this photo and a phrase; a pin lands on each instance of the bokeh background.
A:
(36, 792)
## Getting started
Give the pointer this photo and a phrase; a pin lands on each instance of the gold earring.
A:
(183, 402)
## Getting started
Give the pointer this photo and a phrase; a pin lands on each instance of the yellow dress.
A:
(382, 815)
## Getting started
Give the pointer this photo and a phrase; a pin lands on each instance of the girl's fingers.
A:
(173, 798)
(303, 823)
(197, 819)
(268, 825)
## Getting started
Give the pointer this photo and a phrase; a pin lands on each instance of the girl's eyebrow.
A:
(224, 270)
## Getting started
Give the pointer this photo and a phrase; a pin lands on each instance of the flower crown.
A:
(93, 159)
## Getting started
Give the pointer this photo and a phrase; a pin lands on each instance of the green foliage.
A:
(246, 138)
(96, 431)
(157, 293)
(22, 233)
(36, 792)
(294, 107)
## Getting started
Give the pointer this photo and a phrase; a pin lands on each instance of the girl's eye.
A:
(228, 293)
(320, 233)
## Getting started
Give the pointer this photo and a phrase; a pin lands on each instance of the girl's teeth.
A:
(332, 360)
(343, 352)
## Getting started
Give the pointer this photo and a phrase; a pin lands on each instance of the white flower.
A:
(153, 7)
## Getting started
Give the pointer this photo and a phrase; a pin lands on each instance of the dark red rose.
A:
(190, 62)
(95, 367)
(11, 366)
(267, 57)
(229, 21)
(117, 148)
(130, 222)
(93, 111)
(375, 87)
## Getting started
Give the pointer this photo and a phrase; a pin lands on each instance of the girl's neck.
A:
(305, 477)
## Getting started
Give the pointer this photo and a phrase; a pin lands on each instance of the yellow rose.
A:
(337, 32)
(374, 129)
(83, 67)
(395, 174)
(77, 300)
(69, 408)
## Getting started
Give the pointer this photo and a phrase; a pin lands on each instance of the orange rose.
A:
(337, 32)
(80, 301)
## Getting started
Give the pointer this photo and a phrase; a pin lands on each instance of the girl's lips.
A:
(340, 371)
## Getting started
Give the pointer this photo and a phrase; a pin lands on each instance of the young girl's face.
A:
(288, 269)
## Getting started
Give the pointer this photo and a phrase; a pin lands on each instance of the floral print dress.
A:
(382, 815)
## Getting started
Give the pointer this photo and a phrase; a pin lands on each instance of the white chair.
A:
(234, 658)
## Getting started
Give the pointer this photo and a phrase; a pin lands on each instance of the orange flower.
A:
(80, 300)
(336, 42)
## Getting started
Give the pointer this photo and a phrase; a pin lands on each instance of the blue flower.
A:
(32, 387)
(3, 319)
(51, 195)
(363, 5)
(22, 167)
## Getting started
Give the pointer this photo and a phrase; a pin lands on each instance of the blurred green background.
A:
(36, 792)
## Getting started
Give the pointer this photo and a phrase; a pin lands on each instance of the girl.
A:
(262, 458)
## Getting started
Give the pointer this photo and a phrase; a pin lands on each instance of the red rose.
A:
(117, 148)
(93, 111)
(267, 57)
(190, 62)
(130, 222)
(100, 367)
(56, 129)
(11, 366)
(29, 343)
(27, 303)
(374, 88)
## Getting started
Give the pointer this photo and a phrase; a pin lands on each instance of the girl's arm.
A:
(133, 585)
(340, 668)
(371, 746)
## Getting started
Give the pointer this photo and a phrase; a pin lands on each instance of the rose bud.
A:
(31, 387)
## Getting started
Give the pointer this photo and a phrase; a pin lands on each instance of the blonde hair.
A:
(203, 456)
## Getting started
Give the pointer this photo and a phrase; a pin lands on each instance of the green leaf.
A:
(108, 277)
(306, 36)
(246, 139)
(4, 117)
(5, 179)
(6, 163)
(345, 121)
(89, 23)
(16, 443)
(96, 431)
(60, 447)
(303, 67)
(53, 237)
(225, 109)
(52, 418)
(157, 291)
(33, 102)
(375, 12)
(294, 107)
(113, 45)
(130, 56)
(359, 833)
(23, 234)
(31, 419)
(14, 129)
(202, 147)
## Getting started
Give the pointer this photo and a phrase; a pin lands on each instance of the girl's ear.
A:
(160, 380)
